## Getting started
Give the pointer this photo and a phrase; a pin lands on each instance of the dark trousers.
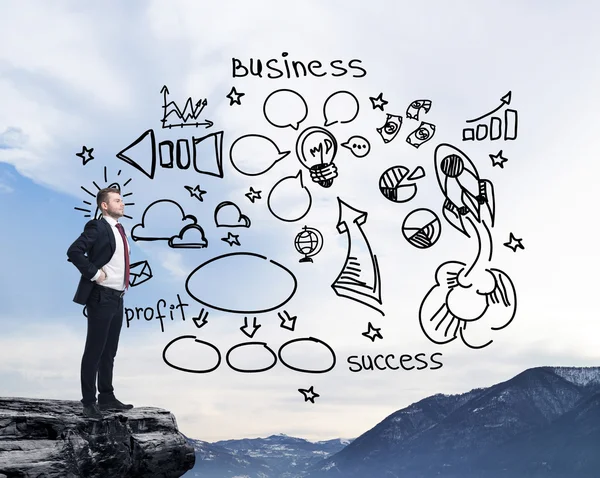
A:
(104, 320)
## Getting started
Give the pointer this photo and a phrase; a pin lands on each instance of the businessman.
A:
(101, 253)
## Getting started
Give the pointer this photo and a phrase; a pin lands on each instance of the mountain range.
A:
(544, 422)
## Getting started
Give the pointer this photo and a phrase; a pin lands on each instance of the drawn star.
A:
(498, 159)
(378, 102)
(196, 192)
(232, 239)
(234, 97)
(373, 333)
(253, 195)
(86, 154)
(514, 243)
(309, 395)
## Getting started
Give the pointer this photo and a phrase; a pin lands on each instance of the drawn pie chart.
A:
(397, 183)
(421, 228)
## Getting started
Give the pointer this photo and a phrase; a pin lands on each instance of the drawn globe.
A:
(308, 241)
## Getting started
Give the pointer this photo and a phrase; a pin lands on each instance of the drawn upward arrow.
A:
(359, 278)
(505, 100)
(244, 328)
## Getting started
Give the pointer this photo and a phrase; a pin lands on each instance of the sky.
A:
(78, 75)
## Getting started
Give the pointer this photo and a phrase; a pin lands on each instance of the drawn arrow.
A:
(359, 278)
(255, 327)
(201, 320)
(505, 100)
(287, 322)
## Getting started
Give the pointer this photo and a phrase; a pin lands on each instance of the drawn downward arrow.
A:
(201, 320)
(244, 328)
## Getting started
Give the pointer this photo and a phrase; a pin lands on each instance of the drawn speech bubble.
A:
(358, 146)
(340, 107)
(254, 154)
(241, 282)
(284, 108)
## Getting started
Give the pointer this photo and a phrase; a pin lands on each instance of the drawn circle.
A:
(193, 337)
(245, 344)
(452, 165)
(310, 340)
(395, 185)
(390, 127)
(283, 108)
(340, 107)
(421, 228)
(422, 133)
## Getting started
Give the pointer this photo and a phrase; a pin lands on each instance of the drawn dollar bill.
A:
(391, 127)
(415, 108)
(421, 135)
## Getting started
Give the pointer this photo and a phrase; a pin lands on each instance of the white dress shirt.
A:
(115, 268)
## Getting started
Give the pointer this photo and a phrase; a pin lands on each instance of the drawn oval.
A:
(241, 283)
(313, 352)
(180, 342)
(262, 347)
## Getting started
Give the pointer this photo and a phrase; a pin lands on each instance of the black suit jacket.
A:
(90, 252)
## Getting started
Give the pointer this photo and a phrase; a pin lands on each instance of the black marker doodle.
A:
(495, 127)
(498, 159)
(378, 102)
(467, 303)
(239, 272)
(289, 200)
(186, 117)
(160, 219)
(139, 272)
(373, 333)
(287, 322)
(234, 97)
(86, 154)
(309, 394)
(514, 243)
(340, 107)
(308, 242)
(228, 214)
(397, 183)
(253, 195)
(390, 129)
(413, 110)
(262, 346)
(196, 192)
(202, 318)
(148, 313)
(311, 341)
(359, 278)
(466, 194)
(248, 330)
(232, 239)
(254, 154)
(473, 300)
(98, 211)
(184, 339)
(316, 149)
(421, 135)
(358, 146)
(206, 154)
(421, 228)
(284, 108)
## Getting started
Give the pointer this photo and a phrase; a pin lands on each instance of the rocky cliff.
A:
(52, 439)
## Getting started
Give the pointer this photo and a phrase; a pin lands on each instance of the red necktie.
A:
(122, 231)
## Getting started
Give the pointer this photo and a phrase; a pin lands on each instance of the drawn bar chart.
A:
(496, 128)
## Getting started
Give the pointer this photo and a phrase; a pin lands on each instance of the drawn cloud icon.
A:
(162, 219)
(228, 214)
(191, 236)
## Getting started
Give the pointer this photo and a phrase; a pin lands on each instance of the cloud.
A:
(161, 220)
(12, 138)
(191, 236)
(228, 214)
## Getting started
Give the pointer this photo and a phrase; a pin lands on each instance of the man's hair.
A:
(102, 195)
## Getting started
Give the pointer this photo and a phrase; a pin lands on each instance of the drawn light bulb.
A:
(316, 149)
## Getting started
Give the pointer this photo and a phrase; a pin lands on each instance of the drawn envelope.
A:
(139, 272)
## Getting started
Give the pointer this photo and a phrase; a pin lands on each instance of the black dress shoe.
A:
(92, 411)
(114, 404)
